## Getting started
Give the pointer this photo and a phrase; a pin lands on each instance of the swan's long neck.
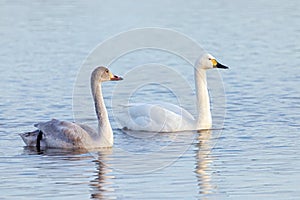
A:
(204, 120)
(105, 134)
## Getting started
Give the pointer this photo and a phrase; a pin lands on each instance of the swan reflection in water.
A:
(203, 162)
(101, 183)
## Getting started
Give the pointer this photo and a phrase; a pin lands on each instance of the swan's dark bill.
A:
(116, 78)
(219, 65)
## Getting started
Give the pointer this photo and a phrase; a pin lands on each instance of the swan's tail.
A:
(32, 138)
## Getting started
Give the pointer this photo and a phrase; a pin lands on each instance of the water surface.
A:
(43, 45)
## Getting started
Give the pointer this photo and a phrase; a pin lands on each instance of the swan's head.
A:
(207, 61)
(102, 74)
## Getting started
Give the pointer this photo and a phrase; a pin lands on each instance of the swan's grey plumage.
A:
(64, 134)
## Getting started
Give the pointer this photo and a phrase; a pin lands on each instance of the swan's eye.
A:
(209, 58)
(106, 71)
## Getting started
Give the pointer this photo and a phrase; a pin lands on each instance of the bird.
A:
(167, 117)
(70, 135)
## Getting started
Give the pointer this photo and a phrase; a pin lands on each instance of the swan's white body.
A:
(167, 117)
(159, 117)
(63, 134)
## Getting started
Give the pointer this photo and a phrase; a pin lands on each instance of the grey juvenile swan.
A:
(63, 134)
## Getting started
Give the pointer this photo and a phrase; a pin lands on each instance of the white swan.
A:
(63, 134)
(166, 117)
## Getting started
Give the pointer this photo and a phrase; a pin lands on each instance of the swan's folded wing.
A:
(178, 110)
(158, 117)
(88, 129)
(143, 109)
(63, 134)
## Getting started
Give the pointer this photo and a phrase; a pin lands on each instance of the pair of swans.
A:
(63, 134)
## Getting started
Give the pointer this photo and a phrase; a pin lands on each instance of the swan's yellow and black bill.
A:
(115, 78)
(219, 65)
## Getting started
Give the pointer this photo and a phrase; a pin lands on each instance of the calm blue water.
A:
(43, 45)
